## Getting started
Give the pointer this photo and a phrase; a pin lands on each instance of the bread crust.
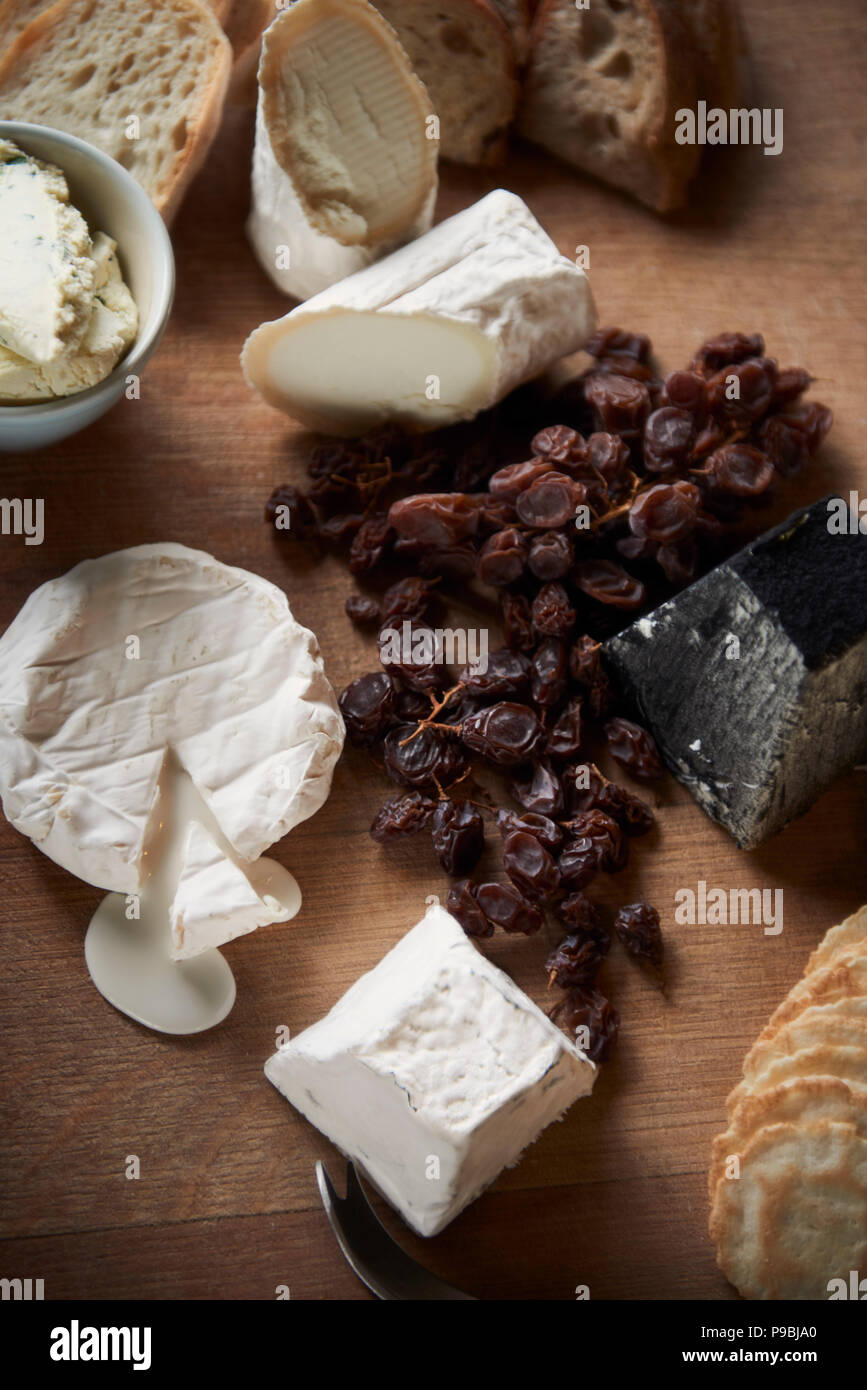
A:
(42, 31)
(518, 18)
(718, 35)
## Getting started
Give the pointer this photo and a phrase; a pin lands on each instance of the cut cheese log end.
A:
(436, 332)
(435, 1051)
(344, 166)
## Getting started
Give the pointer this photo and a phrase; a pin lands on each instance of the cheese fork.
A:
(370, 1251)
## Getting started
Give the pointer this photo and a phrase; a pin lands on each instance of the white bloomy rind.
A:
(432, 334)
(434, 1072)
(155, 648)
(344, 166)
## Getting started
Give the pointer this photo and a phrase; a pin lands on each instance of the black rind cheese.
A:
(754, 679)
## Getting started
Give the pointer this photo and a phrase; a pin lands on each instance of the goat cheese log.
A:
(432, 334)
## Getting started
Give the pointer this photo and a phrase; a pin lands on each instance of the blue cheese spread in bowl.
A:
(66, 314)
(87, 279)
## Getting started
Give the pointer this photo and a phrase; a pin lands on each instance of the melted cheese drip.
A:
(129, 959)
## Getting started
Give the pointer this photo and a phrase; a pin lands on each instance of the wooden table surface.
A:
(614, 1197)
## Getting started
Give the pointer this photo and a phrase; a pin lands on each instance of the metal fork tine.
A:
(369, 1250)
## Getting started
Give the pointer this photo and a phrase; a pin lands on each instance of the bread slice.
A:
(602, 88)
(518, 15)
(93, 67)
(245, 24)
(718, 38)
(464, 54)
(15, 15)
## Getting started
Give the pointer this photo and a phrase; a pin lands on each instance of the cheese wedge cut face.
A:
(145, 652)
(435, 1052)
(344, 166)
(433, 333)
(46, 271)
(347, 119)
(215, 901)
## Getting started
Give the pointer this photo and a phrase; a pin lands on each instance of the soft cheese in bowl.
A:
(86, 284)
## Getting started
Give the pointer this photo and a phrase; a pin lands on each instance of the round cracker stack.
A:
(788, 1178)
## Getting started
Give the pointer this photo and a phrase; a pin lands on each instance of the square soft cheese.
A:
(434, 1072)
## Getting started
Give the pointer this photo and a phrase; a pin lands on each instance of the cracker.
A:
(802, 1100)
(852, 932)
(797, 1215)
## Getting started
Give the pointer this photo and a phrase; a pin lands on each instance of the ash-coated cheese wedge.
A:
(215, 901)
(432, 334)
(47, 273)
(769, 651)
(150, 654)
(345, 159)
(434, 1072)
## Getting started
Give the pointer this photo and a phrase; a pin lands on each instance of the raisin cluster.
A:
(642, 488)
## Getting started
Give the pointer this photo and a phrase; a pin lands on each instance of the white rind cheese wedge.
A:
(46, 270)
(344, 168)
(110, 331)
(215, 901)
(432, 334)
(150, 650)
(434, 1072)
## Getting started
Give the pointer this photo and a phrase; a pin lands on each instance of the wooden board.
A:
(614, 1197)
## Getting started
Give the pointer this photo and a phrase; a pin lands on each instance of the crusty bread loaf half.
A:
(464, 54)
(601, 90)
(143, 80)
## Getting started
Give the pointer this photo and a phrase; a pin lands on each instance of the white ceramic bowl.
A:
(112, 202)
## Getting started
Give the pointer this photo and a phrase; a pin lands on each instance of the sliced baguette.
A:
(518, 15)
(15, 15)
(464, 54)
(718, 38)
(90, 66)
(602, 88)
(245, 24)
